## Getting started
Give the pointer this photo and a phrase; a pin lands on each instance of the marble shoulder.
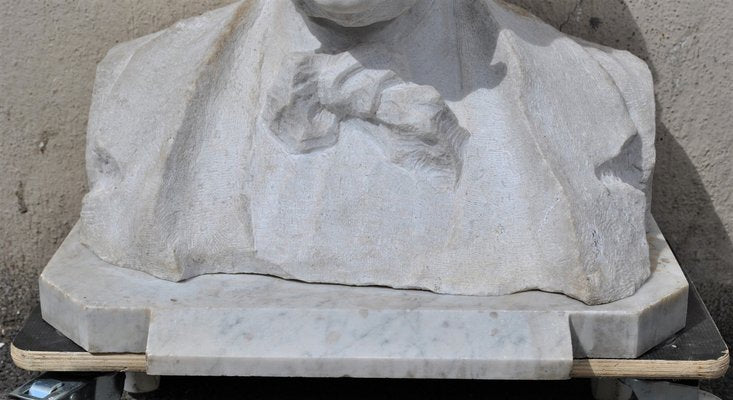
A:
(144, 87)
(627, 75)
(633, 78)
(630, 74)
(626, 69)
(164, 51)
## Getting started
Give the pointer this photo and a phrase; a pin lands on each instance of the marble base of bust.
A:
(255, 325)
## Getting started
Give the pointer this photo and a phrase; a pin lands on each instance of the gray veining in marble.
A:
(265, 326)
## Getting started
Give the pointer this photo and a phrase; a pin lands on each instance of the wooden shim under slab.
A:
(582, 368)
(77, 361)
(650, 369)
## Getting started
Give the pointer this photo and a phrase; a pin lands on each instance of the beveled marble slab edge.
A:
(367, 344)
(108, 309)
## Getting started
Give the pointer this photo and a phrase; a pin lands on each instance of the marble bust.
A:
(458, 146)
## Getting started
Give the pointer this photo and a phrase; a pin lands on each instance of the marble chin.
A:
(355, 13)
(461, 148)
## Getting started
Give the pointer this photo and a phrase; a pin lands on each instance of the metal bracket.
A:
(639, 389)
(60, 386)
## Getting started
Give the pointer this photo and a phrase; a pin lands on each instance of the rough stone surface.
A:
(461, 148)
(50, 51)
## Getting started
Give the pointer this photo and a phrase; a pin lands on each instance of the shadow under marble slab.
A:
(252, 325)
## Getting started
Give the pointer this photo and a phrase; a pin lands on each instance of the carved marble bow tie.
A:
(319, 97)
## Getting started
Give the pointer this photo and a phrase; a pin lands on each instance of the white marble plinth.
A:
(252, 325)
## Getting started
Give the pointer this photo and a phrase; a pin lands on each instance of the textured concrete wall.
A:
(49, 49)
(48, 54)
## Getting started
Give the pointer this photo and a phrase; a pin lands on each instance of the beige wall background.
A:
(49, 50)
